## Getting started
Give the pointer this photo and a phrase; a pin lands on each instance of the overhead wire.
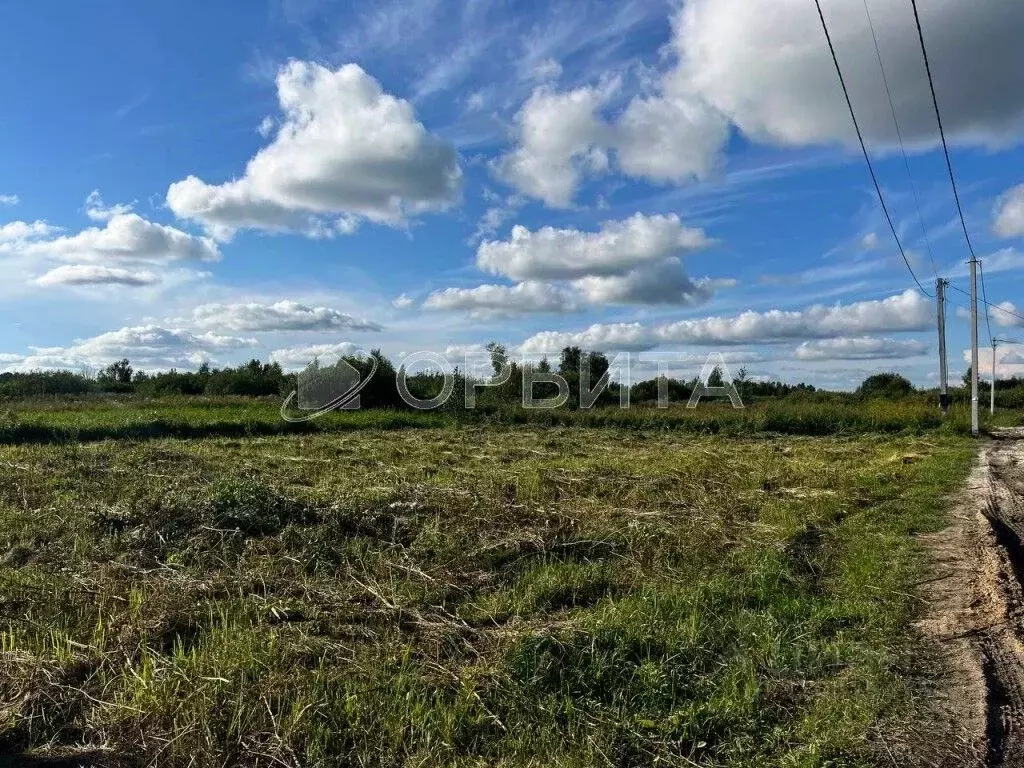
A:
(952, 181)
(864, 150)
(899, 137)
(987, 303)
(984, 299)
(942, 132)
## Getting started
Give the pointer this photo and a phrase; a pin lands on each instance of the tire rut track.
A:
(977, 612)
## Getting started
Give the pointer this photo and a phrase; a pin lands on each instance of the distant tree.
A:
(116, 377)
(569, 363)
(885, 385)
(254, 379)
(715, 378)
(35, 383)
(967, 377)
(499, 356)
(597, 363)
(119, 372)
(544, 366)
(647, 391)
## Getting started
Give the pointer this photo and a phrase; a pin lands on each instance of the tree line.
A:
(582, 370)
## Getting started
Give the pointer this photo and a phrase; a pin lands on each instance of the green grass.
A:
(130, 418)
(467, 595)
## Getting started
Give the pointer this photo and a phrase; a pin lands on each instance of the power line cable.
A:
(952, 179)
(942, 133)
(964, 307)
(899, 137)
(996, 307)
(984, 299)
(864, 149)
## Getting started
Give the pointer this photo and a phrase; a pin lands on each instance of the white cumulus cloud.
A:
(632, 261)
(663, 282)
(670, 137)
(1009, 215)
(626, 337)
(1005, 314)
(764, 64)
(763, 67)
(95, 274)
(149, 347)
(124, 237)
(283, 315)
(859, 348)
(548, 69)
(97, 210)
(567, 254)
(13, 234)
(460, 351)
(561, 137)
(493, 300)
(1009, 362)
(297, 358)
(403, 301)
(344, 150)
(9, 200)
(907, 311)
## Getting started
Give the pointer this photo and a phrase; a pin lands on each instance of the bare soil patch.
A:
(977, 613)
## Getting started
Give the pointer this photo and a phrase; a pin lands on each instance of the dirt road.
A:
(976, 612)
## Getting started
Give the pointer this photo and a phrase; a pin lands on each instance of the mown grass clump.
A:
(469, 595)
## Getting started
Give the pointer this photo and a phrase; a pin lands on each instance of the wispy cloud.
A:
(127, 108)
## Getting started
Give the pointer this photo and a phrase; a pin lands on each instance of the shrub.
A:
(885, 385)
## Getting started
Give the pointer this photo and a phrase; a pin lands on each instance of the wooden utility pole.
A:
(940, 301)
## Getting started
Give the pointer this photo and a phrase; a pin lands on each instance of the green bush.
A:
(885, 385)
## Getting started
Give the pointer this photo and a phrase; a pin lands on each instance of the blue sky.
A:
(197, 182)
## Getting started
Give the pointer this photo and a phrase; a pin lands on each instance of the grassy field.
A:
(102, 418)
(462, 594)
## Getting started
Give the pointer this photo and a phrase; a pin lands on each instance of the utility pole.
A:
(940, 301)
(992, 404)
(974, 346)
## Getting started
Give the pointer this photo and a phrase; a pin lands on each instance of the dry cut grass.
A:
(464, 596)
